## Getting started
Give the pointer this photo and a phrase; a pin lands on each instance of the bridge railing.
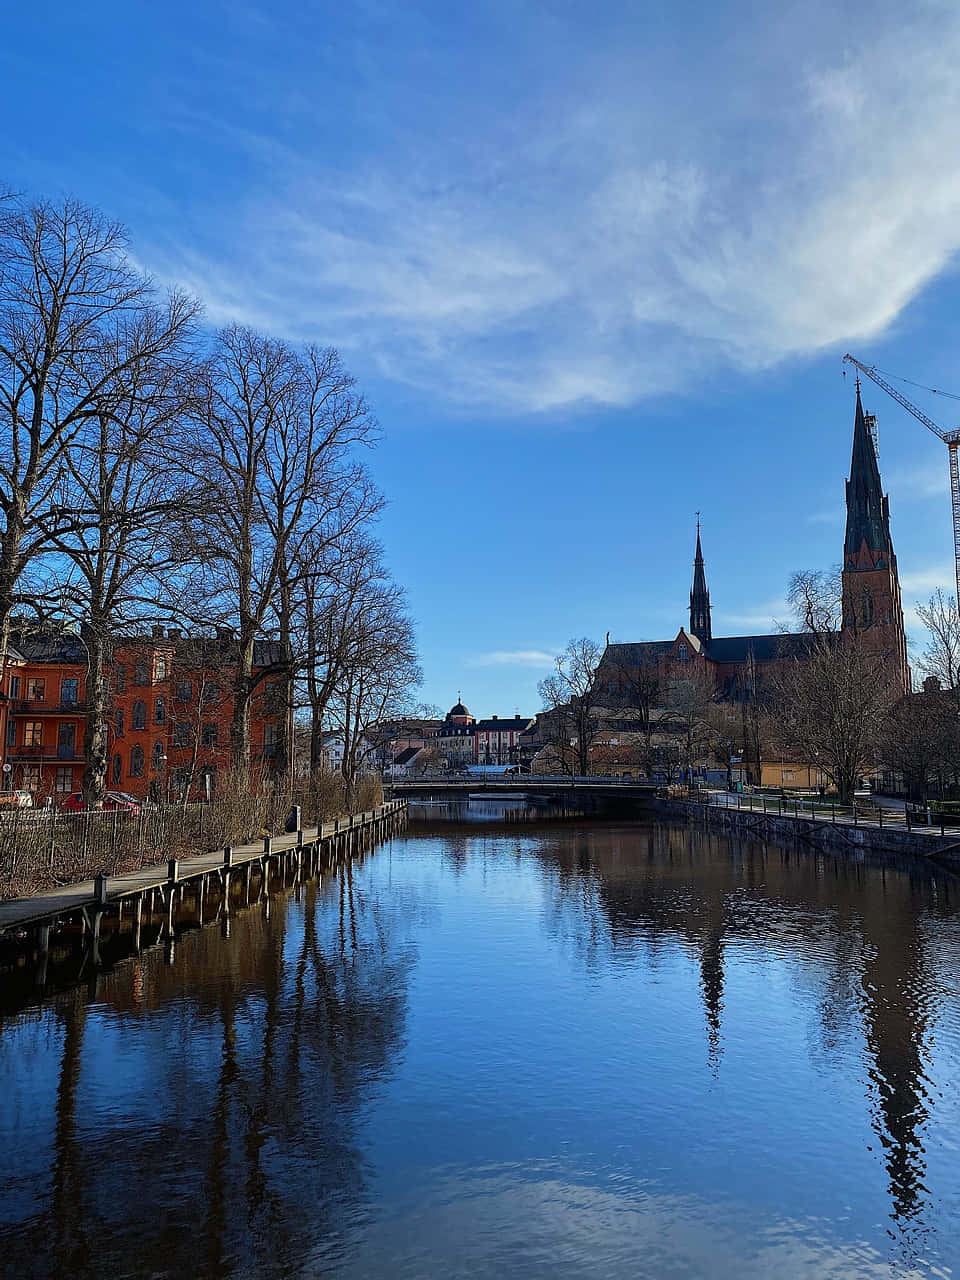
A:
(520, 780)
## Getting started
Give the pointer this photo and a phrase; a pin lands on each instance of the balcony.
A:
(52, 752)
(37, 707)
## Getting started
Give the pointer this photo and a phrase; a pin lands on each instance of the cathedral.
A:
(739, 666)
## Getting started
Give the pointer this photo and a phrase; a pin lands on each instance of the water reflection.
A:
(508, 1050)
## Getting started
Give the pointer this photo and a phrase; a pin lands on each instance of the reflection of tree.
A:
(71, 1248)
(862, 928)
(253, 1057)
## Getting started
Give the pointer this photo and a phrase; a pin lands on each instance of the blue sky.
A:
(595, 267)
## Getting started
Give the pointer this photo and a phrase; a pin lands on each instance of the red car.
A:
(112, 800)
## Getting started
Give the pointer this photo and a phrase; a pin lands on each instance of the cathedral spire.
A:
(700, 597)
(868, 512)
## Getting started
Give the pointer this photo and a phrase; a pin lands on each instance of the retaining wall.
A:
(943, 850)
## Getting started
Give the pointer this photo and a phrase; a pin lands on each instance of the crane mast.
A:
(950, 438)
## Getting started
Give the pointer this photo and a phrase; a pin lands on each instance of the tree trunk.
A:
(95, 745)
(240, 723)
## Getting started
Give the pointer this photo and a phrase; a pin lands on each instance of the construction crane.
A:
(950, 438)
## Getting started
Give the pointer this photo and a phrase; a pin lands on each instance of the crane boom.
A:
(950, 438)
(870, 371)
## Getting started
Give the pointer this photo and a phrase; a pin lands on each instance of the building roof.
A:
(788, 644)
(514, 724)
(50, 646)
(458, 709)
(407, 755)
(633, 655)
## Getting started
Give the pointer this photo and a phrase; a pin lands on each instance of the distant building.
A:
(454, 739)
(498, 741)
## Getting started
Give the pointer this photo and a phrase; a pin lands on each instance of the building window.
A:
(33, 733)
(139, 718)
(136, 762)
(141, 672)
(117, 770)
(118, 722)
(120, 678)
(31, 777)
(209, 737)
(66, 740)
(14, 686)
(11, 733)
(161, 667)
(160, 711)
(63, 779)
(181, 734)
(35, 690)
(69, 691)
(184, 692)
(158, 756)
(211, 692)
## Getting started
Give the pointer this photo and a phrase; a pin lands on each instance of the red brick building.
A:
(169, 713)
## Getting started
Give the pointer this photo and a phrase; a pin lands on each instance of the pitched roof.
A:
(514, 723)
(632, 655)
(407, 755)
(49, 646)
(764, 648)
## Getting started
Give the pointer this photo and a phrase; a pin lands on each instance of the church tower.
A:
(700, 598)
(871, 587)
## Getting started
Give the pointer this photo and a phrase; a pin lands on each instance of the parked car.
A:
(16, 799)
(113, 801)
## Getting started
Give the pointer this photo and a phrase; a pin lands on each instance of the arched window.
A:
(161, 711)
(158, 756)
(118, 723)
(136, 762)
(682, 652)
(141, 672)
(139, 718)
(117, 769)
(161, 668)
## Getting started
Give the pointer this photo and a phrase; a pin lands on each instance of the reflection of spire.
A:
(896, 997)
(711, 981)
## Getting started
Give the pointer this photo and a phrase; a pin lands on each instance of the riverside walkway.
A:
(90, 898)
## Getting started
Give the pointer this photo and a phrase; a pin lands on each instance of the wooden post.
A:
(100, 890)
(137, 921)
(43, 945)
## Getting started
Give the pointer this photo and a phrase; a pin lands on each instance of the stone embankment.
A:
(864, 837)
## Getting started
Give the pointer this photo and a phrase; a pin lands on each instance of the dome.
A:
(458, 709)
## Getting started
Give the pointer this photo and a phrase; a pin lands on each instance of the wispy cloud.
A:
(607, 246)
(923, 582)
(763, 619)
(513, 658)
(926, 480)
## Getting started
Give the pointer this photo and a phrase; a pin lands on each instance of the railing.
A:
(816, 809)
(39, 706)
(51, 752)
(522, 779)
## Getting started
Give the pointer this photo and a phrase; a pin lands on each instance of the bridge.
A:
(559, 787)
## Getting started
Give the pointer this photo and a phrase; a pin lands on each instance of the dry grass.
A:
(40, 849)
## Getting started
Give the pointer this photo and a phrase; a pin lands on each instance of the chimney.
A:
(157, 632)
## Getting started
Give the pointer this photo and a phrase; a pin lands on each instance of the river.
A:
(508, 1049)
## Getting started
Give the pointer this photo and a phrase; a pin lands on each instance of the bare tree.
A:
(123, 494)
(378, 673)
(921, 740)
(570, 696)
(67, 289)
(640, 690)
(273, 444)
(941, 657)
(690, 697)
(832, 703)
(815, 597)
